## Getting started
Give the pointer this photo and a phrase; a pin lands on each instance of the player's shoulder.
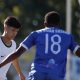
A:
(37, 31)
(64, 32)
(40, 30)
(68, 34)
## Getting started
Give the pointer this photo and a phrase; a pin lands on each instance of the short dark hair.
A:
(52, 18)
(12, 22)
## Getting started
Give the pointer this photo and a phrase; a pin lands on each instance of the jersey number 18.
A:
(53, 43)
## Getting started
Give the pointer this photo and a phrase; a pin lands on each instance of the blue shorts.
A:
(42, 73)
(35, 75)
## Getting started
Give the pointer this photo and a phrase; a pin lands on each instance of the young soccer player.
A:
(8, 45)
(52, 44)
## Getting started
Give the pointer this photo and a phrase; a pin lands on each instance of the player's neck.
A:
(6, 40)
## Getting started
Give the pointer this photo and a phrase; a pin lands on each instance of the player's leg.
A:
(36, 75)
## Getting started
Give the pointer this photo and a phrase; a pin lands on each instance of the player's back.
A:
(52, 43)
(51, 48)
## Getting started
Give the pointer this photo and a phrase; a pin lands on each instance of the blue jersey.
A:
(51, 47)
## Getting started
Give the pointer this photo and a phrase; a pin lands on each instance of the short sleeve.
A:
(29, 41)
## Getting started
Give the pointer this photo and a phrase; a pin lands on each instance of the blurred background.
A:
(31, 15)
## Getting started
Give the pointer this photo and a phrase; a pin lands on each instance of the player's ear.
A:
(5, 27)
(45, 24)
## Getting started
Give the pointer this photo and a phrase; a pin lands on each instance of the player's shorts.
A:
(42, 72)
(35, 75)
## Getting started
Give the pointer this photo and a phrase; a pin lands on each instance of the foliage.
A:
(31, 13)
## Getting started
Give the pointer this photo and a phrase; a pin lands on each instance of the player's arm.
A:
(74, 46)
(20, 50)
(17, 67)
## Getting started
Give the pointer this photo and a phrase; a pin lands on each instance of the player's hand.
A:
(21, 76)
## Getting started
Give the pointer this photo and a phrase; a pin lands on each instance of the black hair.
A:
(52, 18)
(12, 22)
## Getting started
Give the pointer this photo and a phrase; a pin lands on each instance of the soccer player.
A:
(52, 44)
(8, 45)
